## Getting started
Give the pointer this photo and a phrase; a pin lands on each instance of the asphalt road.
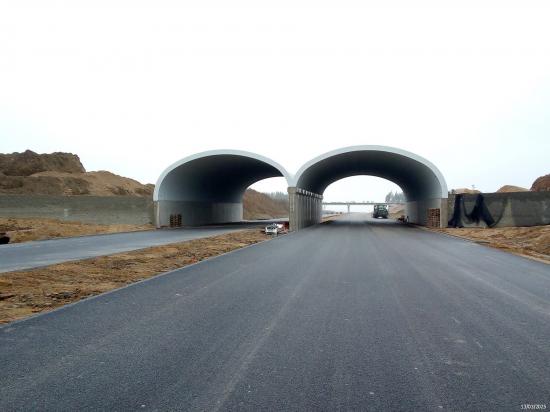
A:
(351, 315)
(19, 256)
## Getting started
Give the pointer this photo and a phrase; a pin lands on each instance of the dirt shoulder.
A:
(526, 241)
(24, 293)
(328, 218)
(26, 229)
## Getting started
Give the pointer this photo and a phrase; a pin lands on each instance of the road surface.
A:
(351, 315)
(19, 256)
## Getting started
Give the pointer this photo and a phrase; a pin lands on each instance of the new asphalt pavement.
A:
(351, 315)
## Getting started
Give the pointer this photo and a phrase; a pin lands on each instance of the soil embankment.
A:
(24, 230)
(62, 174)
(541, 184)
(511, 189)
(526, 241)
(258, 205)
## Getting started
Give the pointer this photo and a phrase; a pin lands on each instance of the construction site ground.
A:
(27, 229)
(24, 293)
(533, 242)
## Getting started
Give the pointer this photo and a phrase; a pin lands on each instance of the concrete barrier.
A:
(509, 209)
(86, 209)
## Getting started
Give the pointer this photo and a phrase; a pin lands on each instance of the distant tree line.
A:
(397, 197)
(278, 195)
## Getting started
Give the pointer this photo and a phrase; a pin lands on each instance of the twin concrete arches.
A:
(208, 187)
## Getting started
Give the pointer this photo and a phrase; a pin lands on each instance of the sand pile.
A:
(62, 174)
(396, 211)
(542, 184)
(29, 163)
(463, 190)
(100, 183)
(511, 189)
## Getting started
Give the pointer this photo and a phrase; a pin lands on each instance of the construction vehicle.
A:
(380, 211)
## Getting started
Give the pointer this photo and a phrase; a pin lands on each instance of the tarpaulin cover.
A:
(480, 212)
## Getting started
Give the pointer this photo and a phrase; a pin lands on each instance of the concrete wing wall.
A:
(103, 210)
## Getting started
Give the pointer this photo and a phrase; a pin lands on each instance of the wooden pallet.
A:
(434, 217)
(175, 220)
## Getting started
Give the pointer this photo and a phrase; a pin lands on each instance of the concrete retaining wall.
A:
(86, 209)
(509, 209)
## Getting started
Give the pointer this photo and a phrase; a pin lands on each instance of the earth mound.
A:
(29, 163)
(258, 205)
(511, 189)
(463, 190)
(62, 174)
(542, 184)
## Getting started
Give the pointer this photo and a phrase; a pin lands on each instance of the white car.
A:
(272, 229)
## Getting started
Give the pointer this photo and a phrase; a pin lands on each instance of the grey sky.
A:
(134, 86)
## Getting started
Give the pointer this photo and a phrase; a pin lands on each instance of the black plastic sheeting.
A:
(479, 213)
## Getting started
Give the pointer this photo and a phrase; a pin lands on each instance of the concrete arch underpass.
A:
(208, 187)
(421, 181)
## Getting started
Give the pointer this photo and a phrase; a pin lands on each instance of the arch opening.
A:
(422, 183)
(266, 200)
(208, 188)
(359, 194)
(360, 189)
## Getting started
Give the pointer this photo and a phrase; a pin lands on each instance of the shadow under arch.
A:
(423, 184)
(208, 187)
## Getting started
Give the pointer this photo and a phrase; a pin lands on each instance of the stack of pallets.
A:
(175, 220)
(434, 217)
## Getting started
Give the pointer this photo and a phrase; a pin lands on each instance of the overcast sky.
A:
(132, 86)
